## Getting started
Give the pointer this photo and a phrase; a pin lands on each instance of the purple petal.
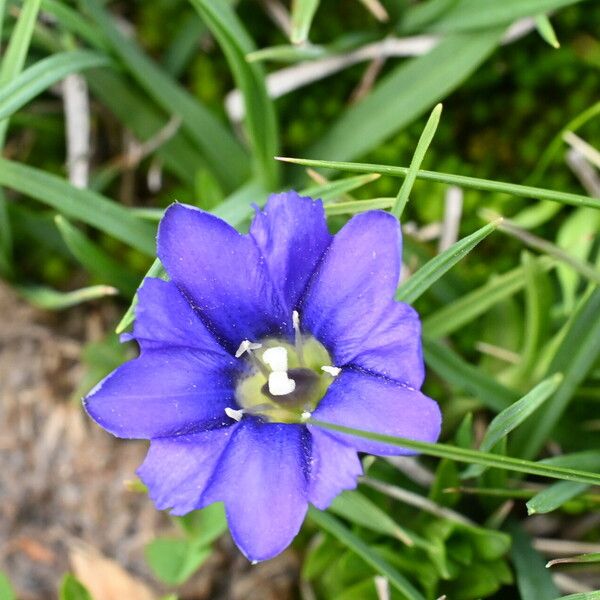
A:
(262, 478)
(165, 318)
(378, 405)
(222, 274)
(348, 306)
(177, 470)
(291, 233)
(335, 467)
(164, 392)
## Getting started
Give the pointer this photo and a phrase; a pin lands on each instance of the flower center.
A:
(287, 380)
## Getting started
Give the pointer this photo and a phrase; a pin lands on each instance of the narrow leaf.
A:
(303, 12)
(593, 557)
(50, 299)
(546, 31)
(554, 496)
(333, 189)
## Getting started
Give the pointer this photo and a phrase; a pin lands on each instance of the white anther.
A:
(305, 416)
(280, 384)
(236, 415)
(296, 320)
(276, 358)
(333, 371)
(247, 346)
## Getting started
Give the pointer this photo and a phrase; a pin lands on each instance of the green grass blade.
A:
(510, 418)
(428, 274)
(82, 205)
(468, 307)
(468, 15)
(533, 579)
(575, 356)
(458, 372)
(354, 207)
(554, 496)
(43, 74)
(581, 596)
(485, 185)
(330, 524)
(546, 31)
(333, 189)
(357, 508)
(415, 164)
(94, 259)
(507, 463)
(592, 557)
(406, 93)
(303, 12)
(50, 299)
(155, 270)
(207, 132)
(261, 122)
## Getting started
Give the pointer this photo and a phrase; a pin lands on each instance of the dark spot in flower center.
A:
(307, 387)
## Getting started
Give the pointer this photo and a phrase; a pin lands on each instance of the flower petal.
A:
(335, 467)
(164, 392)
(163, 317)
(378, 405)
(262, 478)
(222, 274)
(177, 470)
(291, 233)
(349, 307)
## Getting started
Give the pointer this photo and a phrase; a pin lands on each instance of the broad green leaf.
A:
(533, 579)
(43, 74)
(415, 164)
(593, 557)
(510, 418)
(83, 205)
(406, 93)
(507, 463)
(369, 555)
(478, 14)
(470, 306)
(95, 259)
(174, 560)
(303, 12)
(260, 117)
(418, 283)
(486, 185)
(576, 354)
(208, 133)
(358, 509)
(458, 372)
(554, 496)
(72, 589)
(49, 299)
(546, 31)
(6, 589)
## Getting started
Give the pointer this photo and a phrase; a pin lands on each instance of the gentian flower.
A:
(251, 335)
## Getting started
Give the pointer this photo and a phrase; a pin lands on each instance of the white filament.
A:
(247, 346)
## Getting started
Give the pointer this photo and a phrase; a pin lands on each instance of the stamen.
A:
(298, 337)
(280, 384)
(305, 416)
(248, 347)
(236, 415)
(333, 371)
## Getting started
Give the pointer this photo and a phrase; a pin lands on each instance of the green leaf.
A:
(206, 525)
(576, 354)
(554, 496)
(546, 31)
(44, 73)
(211, 136)
(358, 509)
(6, 589)
(303, 12)
(471, 305)
(260, 116)
(468, 15)
(507, 463)
(49, 299)
(173, 560)
(405, 94)
(334, 189)
(369, 555)
(415, 164)
(428, 274)
(510, 418)
(593, 557)
(80, 204)
(582, 596)
(533, 579)
(96, 260)
(486, 185)
(72, 589)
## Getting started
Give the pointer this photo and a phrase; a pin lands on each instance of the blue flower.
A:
(252, 334)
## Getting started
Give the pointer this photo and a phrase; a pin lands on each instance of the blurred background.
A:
(113, 110)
